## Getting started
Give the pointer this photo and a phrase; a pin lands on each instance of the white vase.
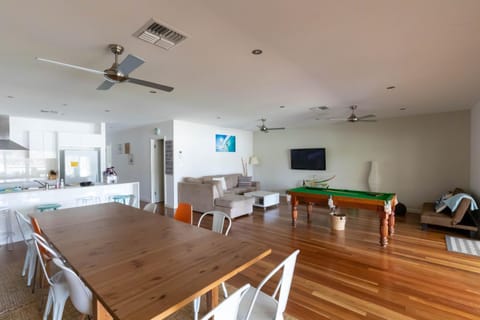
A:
(373, 179)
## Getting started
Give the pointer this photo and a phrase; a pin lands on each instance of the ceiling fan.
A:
(117, 72)
(354, 118)
(264, 128)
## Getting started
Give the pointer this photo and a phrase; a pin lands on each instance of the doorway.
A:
(157, 176)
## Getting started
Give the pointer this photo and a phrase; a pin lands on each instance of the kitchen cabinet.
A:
(42, 144)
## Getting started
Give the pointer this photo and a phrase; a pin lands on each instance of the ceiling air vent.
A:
(159, 35)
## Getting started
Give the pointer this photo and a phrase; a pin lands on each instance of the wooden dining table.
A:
(141, 265)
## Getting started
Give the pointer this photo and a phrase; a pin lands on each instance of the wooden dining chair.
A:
(228, 309)
(258, 305)
(184, 213)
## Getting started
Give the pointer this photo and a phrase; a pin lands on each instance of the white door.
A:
(157, 171)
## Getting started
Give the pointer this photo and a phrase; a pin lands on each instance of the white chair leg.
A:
(26, 263)
(31, 269)
(48, 306)
(196, 307)
(225, 293)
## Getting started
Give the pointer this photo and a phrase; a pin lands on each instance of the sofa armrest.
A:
(199, 195)
(256, 185)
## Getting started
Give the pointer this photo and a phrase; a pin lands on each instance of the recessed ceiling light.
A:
(282, 107)
(257, 51)
(390, 87)
(153, 91)
(403, 108)
(107, 110)
(10, 97)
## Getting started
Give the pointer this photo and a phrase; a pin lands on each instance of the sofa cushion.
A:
(232, 200)
(231, 180)
(192, 180)
(218, 190)
(244, 181)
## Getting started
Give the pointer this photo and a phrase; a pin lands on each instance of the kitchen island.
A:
(26, 201)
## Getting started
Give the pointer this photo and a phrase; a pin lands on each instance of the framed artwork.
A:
(225, 143)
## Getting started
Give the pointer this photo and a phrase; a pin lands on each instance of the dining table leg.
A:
(100, 313)
(212, 298)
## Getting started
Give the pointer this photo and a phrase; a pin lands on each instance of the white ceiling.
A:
(316, 52)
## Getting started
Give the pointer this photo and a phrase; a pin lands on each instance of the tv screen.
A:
(307, 159)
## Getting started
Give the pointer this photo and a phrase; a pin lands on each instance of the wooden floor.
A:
(347, 275)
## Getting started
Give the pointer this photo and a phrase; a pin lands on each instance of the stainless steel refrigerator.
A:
(80, 166)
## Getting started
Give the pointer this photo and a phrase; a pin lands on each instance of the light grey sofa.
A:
(202, 193)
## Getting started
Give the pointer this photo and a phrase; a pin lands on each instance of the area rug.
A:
(462, 245)
(17, 302)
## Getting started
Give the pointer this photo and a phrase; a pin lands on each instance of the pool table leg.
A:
(391, 224)
(294, 211)
(383, 228)
(309, 210)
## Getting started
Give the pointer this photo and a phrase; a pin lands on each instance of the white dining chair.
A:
(58, 292)
(150, 207)
(80, 294)
(218, 225)
(228, 309)
(257, 305)
(26, 230)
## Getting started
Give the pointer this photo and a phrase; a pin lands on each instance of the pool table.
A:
(383, 203)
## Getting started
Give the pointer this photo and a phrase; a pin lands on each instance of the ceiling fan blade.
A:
(337, 119)
(129, 64)
(368, 120)
(276, 128)
(150, 84)
(367, 116)
(70, 65)
(105, 85)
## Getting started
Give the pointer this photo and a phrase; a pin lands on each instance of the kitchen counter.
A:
(26, 200)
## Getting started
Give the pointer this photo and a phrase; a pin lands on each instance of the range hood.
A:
(5, 142)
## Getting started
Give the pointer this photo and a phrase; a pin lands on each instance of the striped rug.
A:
(463, 245)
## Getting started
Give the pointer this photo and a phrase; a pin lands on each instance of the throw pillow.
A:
(244, 181)
(217, 191)
(222, 181)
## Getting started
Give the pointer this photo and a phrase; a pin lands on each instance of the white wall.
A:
(475, 150)
(139, 139)
(195, 155)
(418, 157)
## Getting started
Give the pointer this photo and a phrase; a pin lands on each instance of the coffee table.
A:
(264, 199)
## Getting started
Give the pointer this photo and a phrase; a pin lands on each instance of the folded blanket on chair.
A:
(454, 201)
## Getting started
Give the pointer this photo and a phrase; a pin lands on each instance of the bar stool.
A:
(8, 227)
(84, 201)
(48, 206)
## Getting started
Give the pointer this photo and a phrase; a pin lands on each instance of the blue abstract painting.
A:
(225, 143)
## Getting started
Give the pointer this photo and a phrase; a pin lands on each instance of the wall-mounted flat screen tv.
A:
(307, 159)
